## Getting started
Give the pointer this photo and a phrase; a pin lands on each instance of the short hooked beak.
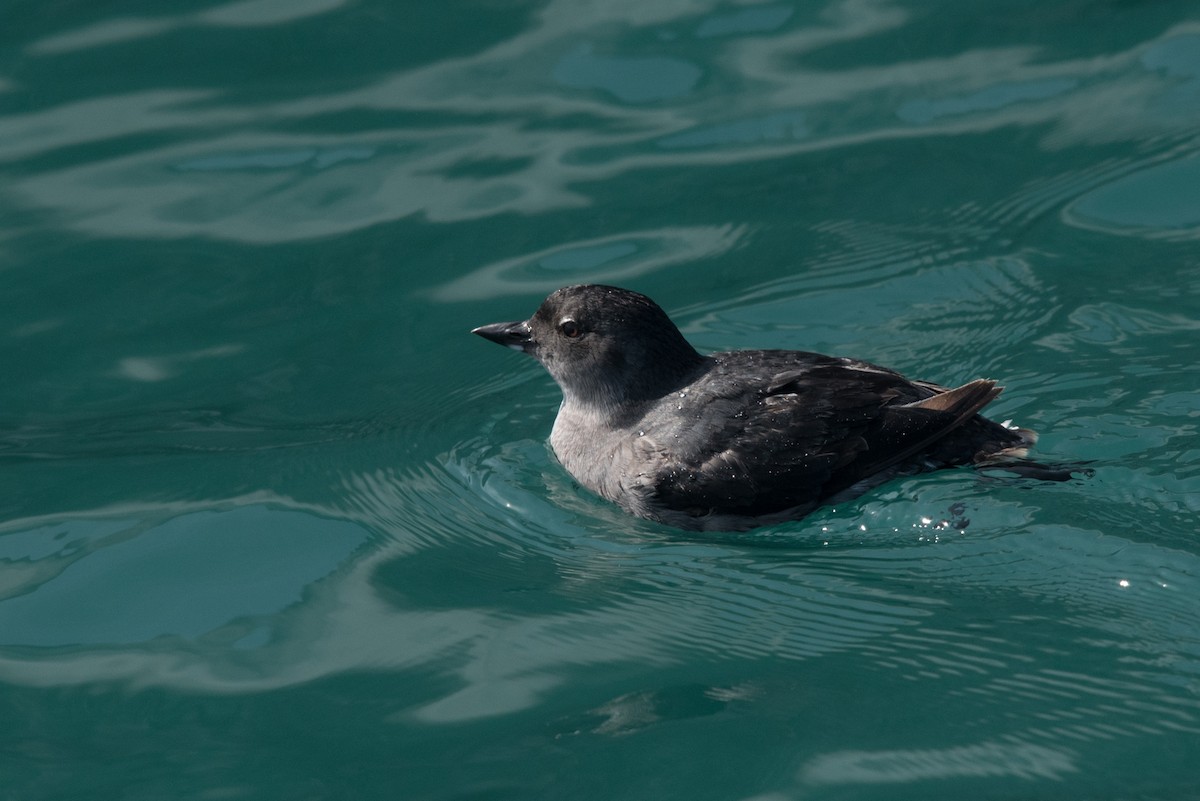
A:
(513, 335)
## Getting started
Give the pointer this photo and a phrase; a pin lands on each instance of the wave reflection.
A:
(513, 102)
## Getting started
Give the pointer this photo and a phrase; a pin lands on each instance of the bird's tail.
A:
(1014, 459)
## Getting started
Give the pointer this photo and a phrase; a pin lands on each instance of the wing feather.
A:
(806, 432)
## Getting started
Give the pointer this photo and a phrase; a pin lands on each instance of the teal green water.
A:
(275, 526)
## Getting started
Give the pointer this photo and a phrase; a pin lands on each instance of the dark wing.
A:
(807, 433)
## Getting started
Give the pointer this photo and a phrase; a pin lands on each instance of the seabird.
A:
(735, 440)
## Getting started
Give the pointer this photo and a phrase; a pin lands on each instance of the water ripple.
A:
(519, 94)
(608, 259)
(926, 317)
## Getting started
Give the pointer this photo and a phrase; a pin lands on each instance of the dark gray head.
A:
(605, 346)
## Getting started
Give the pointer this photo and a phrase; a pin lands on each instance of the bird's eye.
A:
(570, 328)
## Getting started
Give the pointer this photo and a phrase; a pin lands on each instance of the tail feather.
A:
(914, 427)
(963, 402)
(1015, 452)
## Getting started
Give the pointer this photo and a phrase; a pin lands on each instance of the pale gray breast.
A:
(616, 463)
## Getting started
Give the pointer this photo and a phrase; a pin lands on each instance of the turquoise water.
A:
(276, 526)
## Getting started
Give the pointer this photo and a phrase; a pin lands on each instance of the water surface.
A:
(277, 526)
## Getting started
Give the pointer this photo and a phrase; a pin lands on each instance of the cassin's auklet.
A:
(739, 439)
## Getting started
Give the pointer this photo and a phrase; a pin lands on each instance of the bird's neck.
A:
(620, 403)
